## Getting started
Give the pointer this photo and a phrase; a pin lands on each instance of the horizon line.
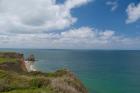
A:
(67, 49)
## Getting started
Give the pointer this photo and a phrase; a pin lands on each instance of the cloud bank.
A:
(43, 24)
(82, 38)
(33, 16)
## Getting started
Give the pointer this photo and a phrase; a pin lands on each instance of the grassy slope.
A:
(11, 82)
(10, 57)
(61, 81)
(33, 90)
(3, 60)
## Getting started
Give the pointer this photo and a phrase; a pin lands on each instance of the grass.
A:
(17, 83)
(3, 74)
(3, 60)
(31, 90)
(60, 81)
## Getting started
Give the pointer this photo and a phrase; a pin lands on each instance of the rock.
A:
(31, 58)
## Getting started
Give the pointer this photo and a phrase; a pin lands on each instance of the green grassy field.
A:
(3, 60)
(32, 90)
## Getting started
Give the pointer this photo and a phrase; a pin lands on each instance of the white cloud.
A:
(19, 16)
(29, 24)
(84, 38)
(113, 4)
(75, 3)
(133, 12)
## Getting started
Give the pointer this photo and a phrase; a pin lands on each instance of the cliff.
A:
(14, 78)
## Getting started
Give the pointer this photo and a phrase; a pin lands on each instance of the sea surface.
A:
(101, 71)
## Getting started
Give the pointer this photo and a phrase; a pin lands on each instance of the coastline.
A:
(23, 78)
(29, 66)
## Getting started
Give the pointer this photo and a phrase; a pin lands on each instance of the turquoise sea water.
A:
(102, 71)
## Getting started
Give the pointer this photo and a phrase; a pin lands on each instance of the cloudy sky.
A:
(70, 24)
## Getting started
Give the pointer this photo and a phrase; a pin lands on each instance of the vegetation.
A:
(12, 81)
(3, 60)
(31, 90)
(10, 57)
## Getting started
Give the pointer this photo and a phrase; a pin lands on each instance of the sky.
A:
(70, 24)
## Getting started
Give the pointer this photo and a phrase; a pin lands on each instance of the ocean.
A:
(101, 71)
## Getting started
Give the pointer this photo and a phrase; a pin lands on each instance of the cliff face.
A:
(11, 55)
(15, 79)
(12, 61)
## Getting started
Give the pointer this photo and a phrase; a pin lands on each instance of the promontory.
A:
(15, 78)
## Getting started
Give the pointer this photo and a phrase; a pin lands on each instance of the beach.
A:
(29, 66)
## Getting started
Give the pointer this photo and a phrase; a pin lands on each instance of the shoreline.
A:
(29, 66)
